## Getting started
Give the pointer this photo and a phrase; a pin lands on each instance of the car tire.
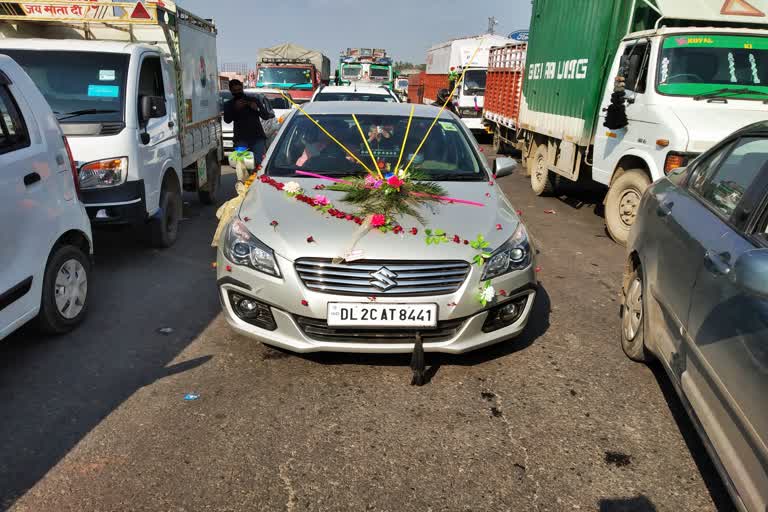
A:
(633, 319)
(213, 168)
(64, 299)
(622, 203)
(164, 227)
(541, 178)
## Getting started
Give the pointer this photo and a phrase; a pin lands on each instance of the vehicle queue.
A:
(375, 226)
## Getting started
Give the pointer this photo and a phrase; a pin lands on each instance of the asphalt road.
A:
(556, 420)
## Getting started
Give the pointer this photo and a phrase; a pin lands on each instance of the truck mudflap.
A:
(122, 204)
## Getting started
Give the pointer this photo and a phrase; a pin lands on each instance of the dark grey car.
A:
(696, 298)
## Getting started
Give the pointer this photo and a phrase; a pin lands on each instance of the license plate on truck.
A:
(341, 314)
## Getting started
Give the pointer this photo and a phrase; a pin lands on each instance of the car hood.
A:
(703, 133)
(333, 237)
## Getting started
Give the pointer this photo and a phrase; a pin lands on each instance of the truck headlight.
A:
(242, 248)
(515, 254)
(104, 173)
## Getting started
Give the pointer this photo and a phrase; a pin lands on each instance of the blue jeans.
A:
(257, 147)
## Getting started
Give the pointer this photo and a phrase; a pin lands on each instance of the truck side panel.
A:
(571, 47)
(504, 87)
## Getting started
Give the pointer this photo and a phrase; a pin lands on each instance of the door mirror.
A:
(504, 166)
(751, 272)
(152, 107)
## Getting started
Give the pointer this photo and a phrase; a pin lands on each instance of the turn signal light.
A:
(662, 142)
(673, 162)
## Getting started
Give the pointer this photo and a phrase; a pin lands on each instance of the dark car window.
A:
(13, 131)
(723, 183)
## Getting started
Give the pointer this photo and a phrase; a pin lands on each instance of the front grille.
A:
(390, 278)
(318, 330)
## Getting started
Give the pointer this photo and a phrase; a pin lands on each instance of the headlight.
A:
(104, 173)
(242, 248)
(515, 254)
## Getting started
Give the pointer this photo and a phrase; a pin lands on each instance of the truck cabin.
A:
(285, 74)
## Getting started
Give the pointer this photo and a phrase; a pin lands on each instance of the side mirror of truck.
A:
(152, 107)
(504, 166)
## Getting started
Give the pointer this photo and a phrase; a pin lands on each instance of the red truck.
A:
(289, 66)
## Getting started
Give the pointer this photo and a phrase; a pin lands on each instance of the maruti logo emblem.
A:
(383, 279)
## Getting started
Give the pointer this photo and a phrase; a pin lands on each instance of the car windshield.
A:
(278, 102)
(445, 156)
(284, 76)
(379, 72)
(78, 88)
(354, 96)
(351, 71)
(703, 64)
(474, 80)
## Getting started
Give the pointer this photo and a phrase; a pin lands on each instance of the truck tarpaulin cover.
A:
(571, 47)
(294, 51)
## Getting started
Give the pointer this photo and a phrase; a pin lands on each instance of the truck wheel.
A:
(499, 146)
(633, 319)
(541, 179)
(214, 174)
(164, 227)
(622, 202)
(65, 290)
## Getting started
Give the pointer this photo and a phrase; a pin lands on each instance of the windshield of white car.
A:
(447, 153)
(710, 65)
(79, 89)
(354, 96)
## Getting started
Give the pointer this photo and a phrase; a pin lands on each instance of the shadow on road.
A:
(537, 326)
(54, 390)
(706, 467)
(636, 504)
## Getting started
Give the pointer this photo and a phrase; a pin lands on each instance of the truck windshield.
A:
(379, 72)
(79, 87)
(351, 71)
(474, 81)
(711, 65)
(285, 77)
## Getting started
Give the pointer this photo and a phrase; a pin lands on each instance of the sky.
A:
(405, 28)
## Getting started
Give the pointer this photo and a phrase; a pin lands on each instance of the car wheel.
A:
(633, 319)
(622, 203)
(541, 179)
(214, 175)
(164, 227)
(64, 299)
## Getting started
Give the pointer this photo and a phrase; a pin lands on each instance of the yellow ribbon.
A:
(367, 146)
(405, 139)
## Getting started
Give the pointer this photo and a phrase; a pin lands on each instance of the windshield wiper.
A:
(76, 113)
(719, 92)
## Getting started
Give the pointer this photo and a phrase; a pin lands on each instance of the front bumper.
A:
(122, 204)
(284, 296)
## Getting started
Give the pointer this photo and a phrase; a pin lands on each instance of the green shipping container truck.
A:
(669, 54)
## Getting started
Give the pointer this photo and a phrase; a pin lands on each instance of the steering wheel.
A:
(691, 75)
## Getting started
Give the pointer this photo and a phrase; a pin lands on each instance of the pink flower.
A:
(373, 182)
(394, 181)
(321, 200)
(378, 220)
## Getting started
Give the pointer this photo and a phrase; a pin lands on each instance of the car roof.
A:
(361, 89)
(758, 128)
(373, 108)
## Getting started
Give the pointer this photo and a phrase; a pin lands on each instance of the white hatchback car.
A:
(355, 92)
(45, 240)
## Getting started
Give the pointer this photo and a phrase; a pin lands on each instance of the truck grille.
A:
(390, 278)
(318, 330)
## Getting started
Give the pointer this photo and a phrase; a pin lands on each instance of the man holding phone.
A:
(246, 114)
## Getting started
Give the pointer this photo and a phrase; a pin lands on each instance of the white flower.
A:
(292, 188)
(488, 294)
(402, 174)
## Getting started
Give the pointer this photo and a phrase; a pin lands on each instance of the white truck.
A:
(453, 57)
(135, 89)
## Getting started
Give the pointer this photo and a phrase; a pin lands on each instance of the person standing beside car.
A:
(246, 114)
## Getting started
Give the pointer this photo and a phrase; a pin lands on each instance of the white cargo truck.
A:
(135, 88)
(454, 56)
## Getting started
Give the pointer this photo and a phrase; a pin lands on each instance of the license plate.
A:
(381, 315)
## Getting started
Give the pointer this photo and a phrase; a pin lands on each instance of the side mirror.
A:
(751, 272)
(152, 107)
(504, 166)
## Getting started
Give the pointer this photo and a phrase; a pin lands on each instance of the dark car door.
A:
(675, 225)
(726, 376)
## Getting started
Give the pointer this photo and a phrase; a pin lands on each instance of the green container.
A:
(571, 47)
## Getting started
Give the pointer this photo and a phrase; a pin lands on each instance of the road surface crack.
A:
(290, 505)
(497, 411)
